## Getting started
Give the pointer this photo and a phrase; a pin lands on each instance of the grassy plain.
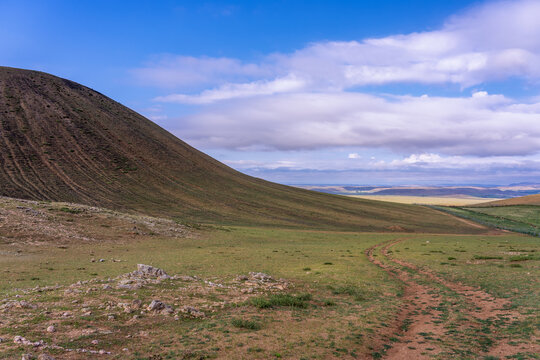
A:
(329, 300)
(426, 200)
(519, 218)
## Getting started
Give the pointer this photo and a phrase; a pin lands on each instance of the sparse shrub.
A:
(281, 300)
(516, 265)
(487, 257)
(70, 210)
(305, 297)
(307, 269)
(521, 258)
(328, 263)
(246, 324)
(451, 258)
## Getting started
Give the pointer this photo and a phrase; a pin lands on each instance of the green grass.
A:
(275, 300)
(246, 324)
(323, 310)
(519, 218)
(478, 261)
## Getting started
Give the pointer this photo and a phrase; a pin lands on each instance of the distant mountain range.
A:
(501, 192)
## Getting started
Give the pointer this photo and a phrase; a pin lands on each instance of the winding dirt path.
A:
(420, 326)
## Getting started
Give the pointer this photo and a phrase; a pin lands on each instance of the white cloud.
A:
(494, 41)
(354, 156)
(479, 125)
(422, 158)
(230, 91)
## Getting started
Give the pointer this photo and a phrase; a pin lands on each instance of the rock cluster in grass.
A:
(104, 300)
(17, 304)
(145, 274)
(41, 345)
(261, 281)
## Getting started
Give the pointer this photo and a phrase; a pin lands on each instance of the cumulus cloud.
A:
(495, 41)
(230, 91)
(480, 125)
(312, 99)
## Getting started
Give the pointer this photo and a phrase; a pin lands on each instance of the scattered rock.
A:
(150, 271)
(213, 284)
(45, 357)
(259, 276)
(23, 341)
(186, 278)
(27, 357)
(136, 304)
(194, 312)
(51, 329)
(106, 287)
(18, 304)
(26, 305)
(95, 342)
(155, 305)
(101, 260)
(167, 310)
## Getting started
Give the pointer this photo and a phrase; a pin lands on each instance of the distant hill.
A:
(62, 141)
(523, 200)
(500, 192)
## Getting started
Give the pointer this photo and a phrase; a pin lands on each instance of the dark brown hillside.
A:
(65, 142)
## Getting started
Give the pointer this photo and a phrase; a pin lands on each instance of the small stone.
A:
(167, 310)
(45, 357)
(192, 311)
(51, 329)
(102, 352)
(110, 317)
(136, 304)
(176, 317)
(93, 260)
(101, 260)
(125, 349)
(95, 342)
(106, 287)
(27, 357)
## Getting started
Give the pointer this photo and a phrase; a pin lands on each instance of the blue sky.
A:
(346, 92)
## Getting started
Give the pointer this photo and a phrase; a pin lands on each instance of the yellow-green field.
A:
(427, 200)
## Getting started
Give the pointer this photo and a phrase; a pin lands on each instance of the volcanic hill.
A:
(62, 141)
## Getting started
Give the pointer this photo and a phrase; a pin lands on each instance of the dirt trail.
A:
(419, 327)
(415, 318)
(465, 221)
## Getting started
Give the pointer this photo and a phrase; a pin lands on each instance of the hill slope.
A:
(65, 142)
(522, 200)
